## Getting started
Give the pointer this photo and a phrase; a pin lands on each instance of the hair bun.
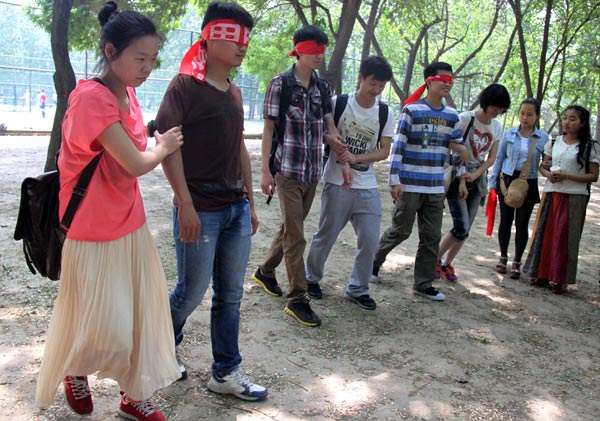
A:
(109, 10)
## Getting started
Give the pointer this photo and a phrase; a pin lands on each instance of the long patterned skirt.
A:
(554, 247)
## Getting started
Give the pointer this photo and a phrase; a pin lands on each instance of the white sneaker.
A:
(182, 369)
(432, 294)
(238, 385)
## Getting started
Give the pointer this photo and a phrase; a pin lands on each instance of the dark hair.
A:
(584, 134)
(434, 68)
(121, 29)
(311, 32)
(495, 95)
(226, 10)
(534, 102)
(376, 66)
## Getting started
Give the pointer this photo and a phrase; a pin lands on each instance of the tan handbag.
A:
(516, 193)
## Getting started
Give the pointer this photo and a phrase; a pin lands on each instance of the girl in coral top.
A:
(111, 316)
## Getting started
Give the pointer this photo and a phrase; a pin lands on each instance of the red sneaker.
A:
(79, 397)
(448, 274)
(139, 410)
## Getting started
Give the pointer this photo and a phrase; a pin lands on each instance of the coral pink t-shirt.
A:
(112, 206)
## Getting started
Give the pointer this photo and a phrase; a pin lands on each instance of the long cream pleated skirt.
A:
(111, 317)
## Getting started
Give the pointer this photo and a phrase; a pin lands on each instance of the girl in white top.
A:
(570, 165)
(467, 192)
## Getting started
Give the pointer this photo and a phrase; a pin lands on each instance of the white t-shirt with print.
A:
(481, 137)
(360, 128)
(565, 156)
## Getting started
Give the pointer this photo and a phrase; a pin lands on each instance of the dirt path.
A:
(496, 349)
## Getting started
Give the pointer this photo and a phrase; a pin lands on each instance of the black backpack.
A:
(340, 106)
(288, 81)
(38, 225)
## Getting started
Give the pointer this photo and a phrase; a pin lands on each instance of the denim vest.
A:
(509, 151)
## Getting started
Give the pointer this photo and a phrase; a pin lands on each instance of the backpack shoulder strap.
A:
(340, 105)
(79, 192)
(288, 80)
(383, 116)
(322, 88)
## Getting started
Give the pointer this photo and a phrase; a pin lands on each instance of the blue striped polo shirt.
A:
(421, 145)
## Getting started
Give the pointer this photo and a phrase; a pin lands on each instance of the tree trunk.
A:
(64, 77)
(370, 30)
(516, 6)
(542, 71)
(597, 131)
(393, 82)
(335, 67)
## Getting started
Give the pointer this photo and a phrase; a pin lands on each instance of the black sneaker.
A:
(363, 301)
(314, 291)
(301, 311)
(267, 283)
(432, 294)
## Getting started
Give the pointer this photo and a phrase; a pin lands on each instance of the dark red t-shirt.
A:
(213, 124)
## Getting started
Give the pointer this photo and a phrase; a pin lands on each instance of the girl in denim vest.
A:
(513, 152)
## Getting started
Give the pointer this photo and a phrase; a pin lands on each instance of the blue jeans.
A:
(463, 211)
(221, 252)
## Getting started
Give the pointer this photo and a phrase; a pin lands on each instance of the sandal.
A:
(515, 272)
(501, 265)
(558, 289)
(539, 282)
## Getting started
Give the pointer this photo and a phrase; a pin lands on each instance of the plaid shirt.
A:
(299, 156)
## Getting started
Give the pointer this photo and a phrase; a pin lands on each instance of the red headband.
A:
(309, 47)
(418, 93)
(227, 30)
(194, 61)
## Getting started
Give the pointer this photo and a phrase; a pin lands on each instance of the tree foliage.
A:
(73, 25)
(541, 48)
(534, 47)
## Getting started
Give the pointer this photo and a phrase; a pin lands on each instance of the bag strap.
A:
(465, 136)
(527, 166)
(82, 184)
(466, 133)
(524, 171)
(79, 192)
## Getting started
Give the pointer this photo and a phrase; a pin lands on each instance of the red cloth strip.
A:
(194, 60)
(309, 47)
(418, 93)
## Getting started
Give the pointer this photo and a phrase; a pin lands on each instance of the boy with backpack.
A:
(298, 108)
(367, 127)
(426, 130)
